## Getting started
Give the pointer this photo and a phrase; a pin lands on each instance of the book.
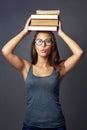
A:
(48, 12)
(44, 16)
(44, 22)
(42, 28)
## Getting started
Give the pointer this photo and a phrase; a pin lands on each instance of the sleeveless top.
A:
(43, 108)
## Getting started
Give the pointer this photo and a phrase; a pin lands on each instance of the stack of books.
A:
(45, 20)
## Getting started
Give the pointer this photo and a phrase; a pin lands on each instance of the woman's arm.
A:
(77, 52)
(9, 47)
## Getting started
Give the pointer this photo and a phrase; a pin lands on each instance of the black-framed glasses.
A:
(40, 41)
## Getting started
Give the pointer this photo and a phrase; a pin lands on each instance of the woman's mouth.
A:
(43, 50)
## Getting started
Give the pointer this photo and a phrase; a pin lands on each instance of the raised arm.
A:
(77, 52)
(9, 47)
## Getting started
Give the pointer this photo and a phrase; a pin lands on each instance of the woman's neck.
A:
(43, 62)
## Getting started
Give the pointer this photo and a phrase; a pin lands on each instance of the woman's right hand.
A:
(26, 30)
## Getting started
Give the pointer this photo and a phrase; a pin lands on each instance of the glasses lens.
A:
(48, 41)
(38, 42)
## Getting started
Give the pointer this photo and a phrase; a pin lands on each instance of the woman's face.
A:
(43, 44)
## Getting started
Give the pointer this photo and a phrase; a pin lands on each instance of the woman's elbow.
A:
(4, 51)
(81, 53)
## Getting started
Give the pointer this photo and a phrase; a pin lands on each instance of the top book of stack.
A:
(45, 20)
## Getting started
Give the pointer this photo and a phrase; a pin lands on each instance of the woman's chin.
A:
(43, 55)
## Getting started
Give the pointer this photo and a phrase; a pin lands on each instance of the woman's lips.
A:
(43, 50)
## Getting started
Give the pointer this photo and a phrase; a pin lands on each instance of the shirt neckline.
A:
(41, 76)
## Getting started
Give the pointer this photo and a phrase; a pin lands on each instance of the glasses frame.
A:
(47, 42)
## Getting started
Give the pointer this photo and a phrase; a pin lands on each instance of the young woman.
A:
(42, 77)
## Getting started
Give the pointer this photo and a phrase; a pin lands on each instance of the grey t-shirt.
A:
(43, 108)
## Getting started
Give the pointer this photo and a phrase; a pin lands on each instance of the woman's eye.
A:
(39, 41)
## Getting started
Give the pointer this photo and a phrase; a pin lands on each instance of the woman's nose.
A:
(43, 44)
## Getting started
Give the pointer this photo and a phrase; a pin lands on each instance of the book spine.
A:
(44, 22)
(42, 28)
(39, 16)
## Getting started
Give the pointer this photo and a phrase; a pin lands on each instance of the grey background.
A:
(73, 92)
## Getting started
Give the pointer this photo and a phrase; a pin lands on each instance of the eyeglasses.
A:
(40, 41)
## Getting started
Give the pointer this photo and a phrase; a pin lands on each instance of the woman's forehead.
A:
(43, 35)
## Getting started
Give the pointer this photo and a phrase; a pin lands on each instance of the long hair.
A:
(54, 57)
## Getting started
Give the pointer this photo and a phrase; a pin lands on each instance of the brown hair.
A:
(54, 54)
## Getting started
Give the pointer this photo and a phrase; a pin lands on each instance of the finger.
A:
(28, 21)
(59, 23)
